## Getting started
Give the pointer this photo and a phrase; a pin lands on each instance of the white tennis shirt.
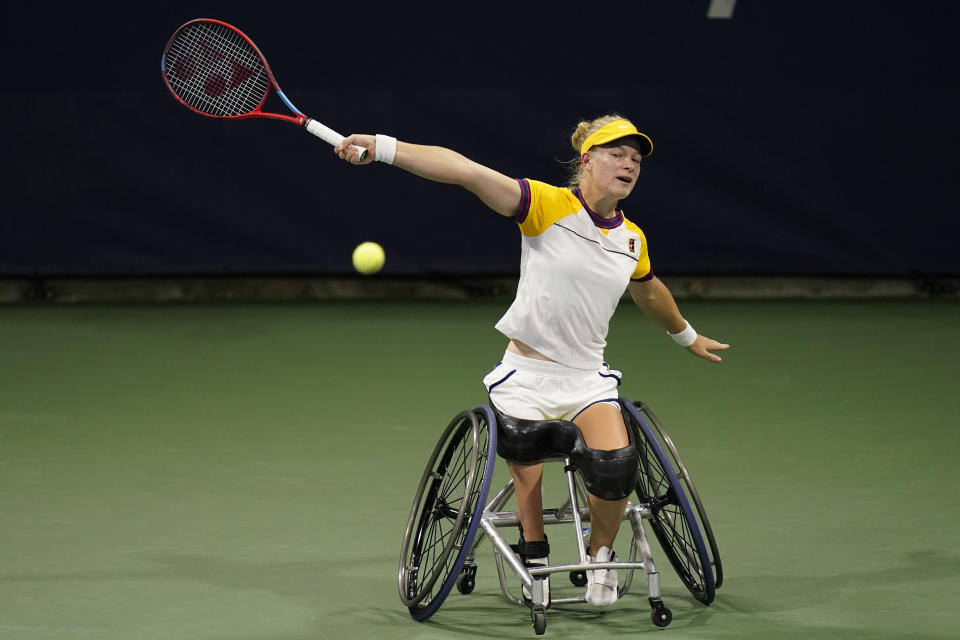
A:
(574, 268)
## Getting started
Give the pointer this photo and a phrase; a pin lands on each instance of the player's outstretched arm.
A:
(655, 300)
(497, 191)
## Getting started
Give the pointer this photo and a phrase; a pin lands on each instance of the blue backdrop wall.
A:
(813, 138)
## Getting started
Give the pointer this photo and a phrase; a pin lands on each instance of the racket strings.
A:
(214, 70)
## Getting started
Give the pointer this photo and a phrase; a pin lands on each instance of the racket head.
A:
(216, 70)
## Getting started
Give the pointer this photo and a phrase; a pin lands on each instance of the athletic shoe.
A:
(602, 583)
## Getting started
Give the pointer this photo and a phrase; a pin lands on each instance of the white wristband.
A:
(386, 149)
(686, 337)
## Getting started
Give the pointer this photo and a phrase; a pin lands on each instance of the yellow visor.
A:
(614, 131)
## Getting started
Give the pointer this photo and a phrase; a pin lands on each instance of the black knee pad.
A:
(611, 475)
(528, 441)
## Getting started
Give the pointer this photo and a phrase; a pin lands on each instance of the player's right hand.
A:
(346, 152)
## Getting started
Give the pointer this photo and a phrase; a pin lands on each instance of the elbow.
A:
(648, 293)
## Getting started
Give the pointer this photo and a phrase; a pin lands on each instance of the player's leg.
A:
(512, 390)
(533, 548)
(603, 429)
(527, 485)
(515, 398)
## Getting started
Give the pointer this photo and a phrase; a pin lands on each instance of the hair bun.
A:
(581, 133)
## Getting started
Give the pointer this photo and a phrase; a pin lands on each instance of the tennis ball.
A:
(368, 258)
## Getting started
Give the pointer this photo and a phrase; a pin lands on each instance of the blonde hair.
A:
(584, 129)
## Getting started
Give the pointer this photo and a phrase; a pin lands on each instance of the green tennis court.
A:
(245, 471)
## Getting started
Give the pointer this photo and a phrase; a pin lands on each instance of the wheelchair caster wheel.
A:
(661, 616)
(539, 619)
(578, 578)
(467, 579)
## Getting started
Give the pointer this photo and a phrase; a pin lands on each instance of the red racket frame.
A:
(257, 112)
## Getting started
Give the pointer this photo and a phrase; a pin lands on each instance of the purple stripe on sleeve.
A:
(524, 207)
(645, 278)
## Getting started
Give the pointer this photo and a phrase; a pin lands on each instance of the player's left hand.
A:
(703, 347)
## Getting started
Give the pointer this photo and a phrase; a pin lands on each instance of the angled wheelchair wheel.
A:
(671, 516)
(447, 510)
(684, 476)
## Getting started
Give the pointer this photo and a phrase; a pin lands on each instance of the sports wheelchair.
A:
(450, 518)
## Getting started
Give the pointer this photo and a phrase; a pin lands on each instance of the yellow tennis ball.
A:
(368, 258)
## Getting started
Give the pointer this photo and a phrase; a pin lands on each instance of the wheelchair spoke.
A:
(444, 518)
(666, 511)
(682, 538)
(440, 533)
(457, 470)
(445, 511)
(438, 540)
(661, 486)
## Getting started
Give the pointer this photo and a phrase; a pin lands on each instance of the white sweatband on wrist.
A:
(386, 149)
(686, 337)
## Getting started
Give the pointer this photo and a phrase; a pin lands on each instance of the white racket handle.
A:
(330, 136)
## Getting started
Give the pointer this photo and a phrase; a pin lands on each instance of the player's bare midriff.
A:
(526, 350)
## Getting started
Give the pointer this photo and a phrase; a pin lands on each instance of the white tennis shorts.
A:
(532, 389)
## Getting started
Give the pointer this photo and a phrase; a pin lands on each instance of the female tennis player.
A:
(578, 255)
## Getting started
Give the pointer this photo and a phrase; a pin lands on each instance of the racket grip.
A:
(330, 136)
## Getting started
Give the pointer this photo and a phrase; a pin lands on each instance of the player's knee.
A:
(610, 475)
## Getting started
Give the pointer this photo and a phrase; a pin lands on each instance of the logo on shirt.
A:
(631, 244)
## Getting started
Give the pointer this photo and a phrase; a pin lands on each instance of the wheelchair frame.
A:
(450, 519)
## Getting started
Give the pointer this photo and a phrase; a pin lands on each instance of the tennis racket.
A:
(214, 69)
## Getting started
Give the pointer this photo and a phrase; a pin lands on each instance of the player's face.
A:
(614, 167)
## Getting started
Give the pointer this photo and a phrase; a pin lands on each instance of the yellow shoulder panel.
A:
(644, 270)
(547, 204)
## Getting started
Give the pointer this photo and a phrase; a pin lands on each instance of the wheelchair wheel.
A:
(684, 476)
(447, 511)
(672, 519)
